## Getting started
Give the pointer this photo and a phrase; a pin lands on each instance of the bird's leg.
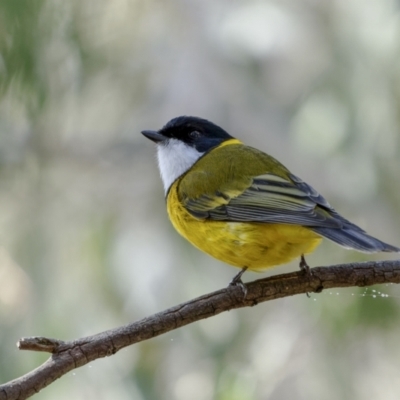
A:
(237, 281)
(304, 266)
(238, 277)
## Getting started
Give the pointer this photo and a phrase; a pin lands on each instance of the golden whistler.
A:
(239, 204)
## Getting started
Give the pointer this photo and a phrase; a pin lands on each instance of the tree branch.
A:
(67, 356)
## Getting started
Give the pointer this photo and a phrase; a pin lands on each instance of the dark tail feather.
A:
(352, 237)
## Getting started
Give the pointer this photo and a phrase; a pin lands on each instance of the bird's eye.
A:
(194, 134)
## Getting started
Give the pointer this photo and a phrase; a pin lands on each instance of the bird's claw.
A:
(304, 266)
(237, 281)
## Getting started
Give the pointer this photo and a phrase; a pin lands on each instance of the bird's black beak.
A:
(154, 136)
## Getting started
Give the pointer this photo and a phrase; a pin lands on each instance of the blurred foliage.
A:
(19, 38)
(85, 240)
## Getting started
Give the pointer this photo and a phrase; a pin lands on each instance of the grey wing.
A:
(269, 199)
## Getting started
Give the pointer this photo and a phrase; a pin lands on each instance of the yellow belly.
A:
(257, 246)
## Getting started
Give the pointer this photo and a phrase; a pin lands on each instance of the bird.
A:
(241, 205)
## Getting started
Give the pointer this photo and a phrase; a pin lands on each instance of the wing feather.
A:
(269, 199)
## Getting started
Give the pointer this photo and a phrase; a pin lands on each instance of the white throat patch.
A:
(174, 159)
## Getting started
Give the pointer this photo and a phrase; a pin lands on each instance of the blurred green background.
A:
(85, 242)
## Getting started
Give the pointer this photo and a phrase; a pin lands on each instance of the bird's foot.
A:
(237, 281)
(304, 266)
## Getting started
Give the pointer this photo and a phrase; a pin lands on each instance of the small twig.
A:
(39, 343)
(73, 354)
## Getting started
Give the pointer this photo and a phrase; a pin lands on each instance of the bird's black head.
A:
(193, 131)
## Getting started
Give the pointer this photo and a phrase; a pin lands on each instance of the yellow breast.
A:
(257, 246)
